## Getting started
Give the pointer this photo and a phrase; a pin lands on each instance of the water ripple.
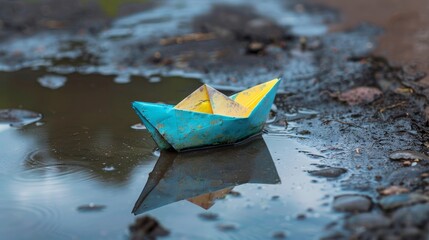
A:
(38, 219)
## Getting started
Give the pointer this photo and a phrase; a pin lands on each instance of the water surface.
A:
(86, 152)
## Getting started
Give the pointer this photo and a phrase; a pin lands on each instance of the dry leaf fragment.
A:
(360, 95)
(393, 190)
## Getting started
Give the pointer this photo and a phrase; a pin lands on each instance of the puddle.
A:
(79, 174)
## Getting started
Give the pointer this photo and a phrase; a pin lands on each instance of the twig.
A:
(347, 123)
(392, 106)
(192, 37)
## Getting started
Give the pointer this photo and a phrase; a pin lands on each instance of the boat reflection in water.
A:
(205, 175)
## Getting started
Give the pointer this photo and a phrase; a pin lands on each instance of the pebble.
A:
(255, 47)
(147, 227)
(330, 172)
(407, 155)
(226, 227)
(407, 177)
(91, 207)
(352, 203)
(279, 235)
(333, 235)
(412, 216)
(369, 220)
(234, 194)
(275, 197)
(399, 200)
(209, 216)
(406, 163)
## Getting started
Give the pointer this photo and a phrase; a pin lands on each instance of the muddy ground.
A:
(362, 107)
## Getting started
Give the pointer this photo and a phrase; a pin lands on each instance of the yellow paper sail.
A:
(209, 100)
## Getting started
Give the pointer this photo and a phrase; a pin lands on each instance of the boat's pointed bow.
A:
(152, 115)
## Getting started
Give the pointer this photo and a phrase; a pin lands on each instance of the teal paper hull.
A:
(181, 129)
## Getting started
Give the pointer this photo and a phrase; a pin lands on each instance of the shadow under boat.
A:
(206, 175)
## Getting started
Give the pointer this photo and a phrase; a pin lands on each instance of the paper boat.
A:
(207, 117)
(201, 177)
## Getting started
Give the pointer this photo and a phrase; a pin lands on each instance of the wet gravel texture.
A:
(371, 139)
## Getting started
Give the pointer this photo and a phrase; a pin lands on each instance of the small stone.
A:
(226, 227)
(330, 172)
(279, 235)
(407, 155)
(358, 151)
(399, 200)
(411, 233)
(147, 227)
(208, 216)
(91, 207)
(304, 132)
(406, 163)
(415, 216)
(301, 216)
(407, 177)
(352, 203)
(275, 197)
(370, 220)
(255, 48)
(333, 235)
(234, 193)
